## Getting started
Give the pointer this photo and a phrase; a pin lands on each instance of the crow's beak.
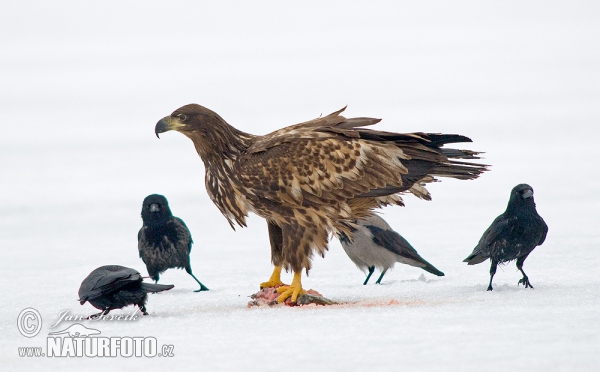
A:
(527, 194)
(154, 208)
(166, 124)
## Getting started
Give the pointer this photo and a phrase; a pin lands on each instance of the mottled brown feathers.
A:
(314, 178)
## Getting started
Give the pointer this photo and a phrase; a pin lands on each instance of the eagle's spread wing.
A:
(321, 171)
(321, 127)
(332, 160)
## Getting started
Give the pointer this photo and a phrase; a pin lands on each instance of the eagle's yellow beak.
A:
(166, 124)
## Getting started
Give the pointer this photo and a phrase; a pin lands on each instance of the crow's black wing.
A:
(495, 236)
(544, 229)
(393, 242)
(107, 279)
(184, 236)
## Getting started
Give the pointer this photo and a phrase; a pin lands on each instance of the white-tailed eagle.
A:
(314, 178)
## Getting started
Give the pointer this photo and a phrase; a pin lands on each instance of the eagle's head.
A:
(188, 119)
(210, 134)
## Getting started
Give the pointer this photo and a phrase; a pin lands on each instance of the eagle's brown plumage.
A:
(314, 178)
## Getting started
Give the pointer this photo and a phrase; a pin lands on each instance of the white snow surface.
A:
(83, 84)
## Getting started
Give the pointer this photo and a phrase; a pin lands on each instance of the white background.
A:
(83, 84)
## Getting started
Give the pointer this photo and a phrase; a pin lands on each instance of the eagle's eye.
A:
(182, 117)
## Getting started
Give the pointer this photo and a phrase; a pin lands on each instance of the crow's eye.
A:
(182, 117)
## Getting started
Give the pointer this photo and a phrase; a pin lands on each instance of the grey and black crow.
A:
(376, 245)
(114, 287)
(512, 235)
(164, 241)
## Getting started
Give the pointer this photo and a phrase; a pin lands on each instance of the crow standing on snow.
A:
(375, 244)
(114, 287)
(512, 235)
(164, 241)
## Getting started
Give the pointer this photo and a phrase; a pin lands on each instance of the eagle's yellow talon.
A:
(294, 290)
(270, 284)
(274, 280)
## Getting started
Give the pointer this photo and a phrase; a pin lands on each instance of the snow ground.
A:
(84, 84)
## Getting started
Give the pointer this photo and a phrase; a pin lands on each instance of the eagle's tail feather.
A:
(459, 170)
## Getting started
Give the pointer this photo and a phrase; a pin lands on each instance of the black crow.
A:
(164, 241)
(375, 244)
(114, 287)
(512, 235)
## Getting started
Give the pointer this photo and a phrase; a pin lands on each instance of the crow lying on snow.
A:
(375, 244)
(164, 241)
(114, 287)
(512, 235)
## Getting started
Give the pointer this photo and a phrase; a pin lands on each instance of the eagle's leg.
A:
(371, 269)
(276, 240)
(380, 277)
(295, 289)
(525, 279)
(274, 280)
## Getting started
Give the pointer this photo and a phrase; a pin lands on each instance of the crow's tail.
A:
(147, 287)
(431, 269)
(475, 258)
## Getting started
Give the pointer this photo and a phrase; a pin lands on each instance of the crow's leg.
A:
(380, 277)
(95, 316)
(154, 276)
(371, 269)
(525, 279)
(202, 286)
(492, 272)
(142, 309)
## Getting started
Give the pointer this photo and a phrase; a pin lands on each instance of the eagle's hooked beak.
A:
(166, 124)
